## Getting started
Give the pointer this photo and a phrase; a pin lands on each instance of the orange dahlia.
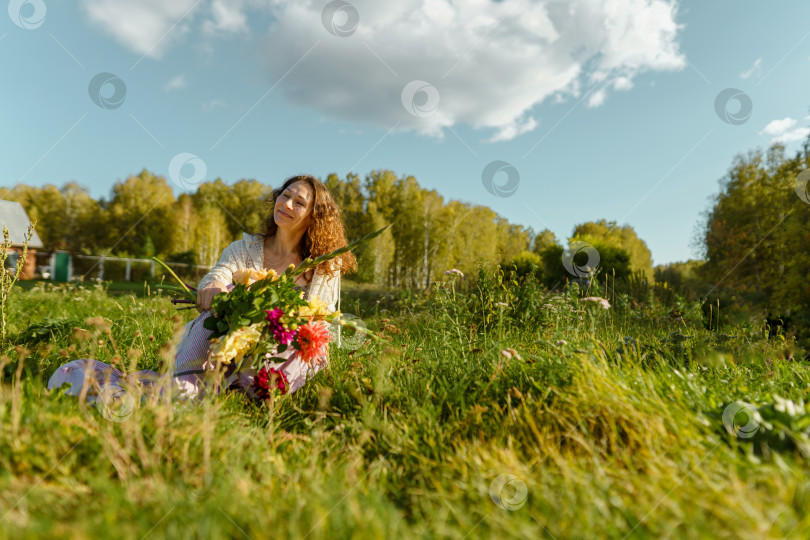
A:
(313, 338)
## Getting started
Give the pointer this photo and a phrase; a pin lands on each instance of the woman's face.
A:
(293, 209)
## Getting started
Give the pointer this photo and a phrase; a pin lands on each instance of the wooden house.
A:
(14, 217)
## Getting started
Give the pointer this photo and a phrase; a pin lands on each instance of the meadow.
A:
(498, 410)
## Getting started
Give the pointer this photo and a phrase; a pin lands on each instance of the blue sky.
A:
(603, 109)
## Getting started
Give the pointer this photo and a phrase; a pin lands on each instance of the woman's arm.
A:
(222, 272)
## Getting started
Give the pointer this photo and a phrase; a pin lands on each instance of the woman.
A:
(305, 222)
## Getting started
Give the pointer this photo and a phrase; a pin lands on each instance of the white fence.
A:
(102, 259)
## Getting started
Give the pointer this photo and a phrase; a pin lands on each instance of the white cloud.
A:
(152, 27)
(777, 127)
(785, 131)
(146, 27)
(175, 83)
(229, 16)
(597, 98)
(512, 130)
(623, 83)
(756, 69)
(491, 62)
(798, 134)
(210, 105)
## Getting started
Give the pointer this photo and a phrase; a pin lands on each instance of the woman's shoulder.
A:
(246, 251)
(252, 238)
(321, 278)
(247, 239)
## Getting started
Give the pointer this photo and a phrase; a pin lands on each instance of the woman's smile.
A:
(294, 205)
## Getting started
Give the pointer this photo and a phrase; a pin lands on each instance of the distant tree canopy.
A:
(620, 251)
(611, 237)
(683, 277)
(142, 218)
(757, 234)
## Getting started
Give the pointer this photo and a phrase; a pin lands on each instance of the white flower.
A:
(454, 272)
(561, 342)
(509, 353)
(501, 304)
(595, 300)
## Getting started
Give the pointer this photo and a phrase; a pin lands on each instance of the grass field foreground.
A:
(499, 410)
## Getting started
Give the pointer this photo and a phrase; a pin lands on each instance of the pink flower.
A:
(280, 333)
(266, 379)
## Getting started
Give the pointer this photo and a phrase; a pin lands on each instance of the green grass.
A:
(614, 434)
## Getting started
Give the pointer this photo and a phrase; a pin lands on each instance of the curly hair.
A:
(325, 232)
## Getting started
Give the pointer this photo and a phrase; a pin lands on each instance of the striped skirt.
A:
(100, 382)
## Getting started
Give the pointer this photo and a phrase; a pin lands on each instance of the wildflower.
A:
(81, 334)
(501, 304)
(99, 322)
(596, 301)
(316, 308)
(454, 272)
(312, 341)
(509, 353)
(281, 334)
(234, 345)
(266, 379)
(561, 342)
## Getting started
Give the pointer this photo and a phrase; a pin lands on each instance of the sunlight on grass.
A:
(603, 424)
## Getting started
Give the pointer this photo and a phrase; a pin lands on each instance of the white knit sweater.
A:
(249, 253)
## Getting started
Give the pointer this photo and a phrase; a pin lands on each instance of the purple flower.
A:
(273, 315)
(281, 334)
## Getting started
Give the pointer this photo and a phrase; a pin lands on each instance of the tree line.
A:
(142, 218)
(754, 243)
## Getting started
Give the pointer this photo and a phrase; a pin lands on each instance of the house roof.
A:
(13, 216)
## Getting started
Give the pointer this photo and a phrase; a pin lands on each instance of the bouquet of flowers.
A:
(264, 314)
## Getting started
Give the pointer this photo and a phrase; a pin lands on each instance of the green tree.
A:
(755, 235)
(608, 233)
(211, 235)
(527, 261)
(542, 239)
(141, 205)
(243, 204)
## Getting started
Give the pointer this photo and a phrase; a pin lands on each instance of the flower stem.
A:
(183, 285)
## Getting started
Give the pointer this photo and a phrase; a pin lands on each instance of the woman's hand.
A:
(206, 296)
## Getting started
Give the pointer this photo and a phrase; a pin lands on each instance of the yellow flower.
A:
(257, 275)
(316, 308)
(234, 345)
(242, 276)
(246, 276)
